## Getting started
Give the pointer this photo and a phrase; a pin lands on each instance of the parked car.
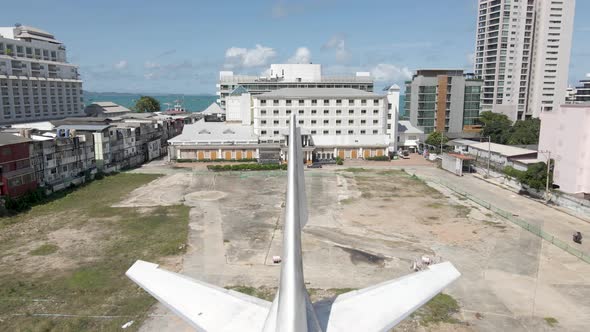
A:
(314, 166)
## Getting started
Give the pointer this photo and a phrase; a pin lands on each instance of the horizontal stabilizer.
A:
(381, 307)
(206, 307)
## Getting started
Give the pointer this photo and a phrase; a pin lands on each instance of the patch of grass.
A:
(439, 310)
(349, 200)
(435, 205)
(551, 321)
(356, 170)
(462, 210)
(263, 293)
(340, 291)
(89, 287)
(44, 249)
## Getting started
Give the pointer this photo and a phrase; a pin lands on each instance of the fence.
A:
(525, 225)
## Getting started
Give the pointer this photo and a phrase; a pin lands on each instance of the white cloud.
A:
(385, 72)
(236, 57)
(588, 75)
(302, 55)
(151, 65)
(337, 43)
(121, 64)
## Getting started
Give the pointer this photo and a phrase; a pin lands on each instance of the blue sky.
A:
(180, 46)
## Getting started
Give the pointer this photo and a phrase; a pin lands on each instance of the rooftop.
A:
(212, 133)
(406, 127)
(8, 139)
(85, 127)
(504, 150)
(318, 92)
(214, 108)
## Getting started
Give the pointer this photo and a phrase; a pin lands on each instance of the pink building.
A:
(566, 133)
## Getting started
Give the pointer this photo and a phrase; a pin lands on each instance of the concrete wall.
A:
(566, 133)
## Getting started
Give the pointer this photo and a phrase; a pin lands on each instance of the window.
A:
(300, 121)
(351, 102)
(314, 122)
(314, 102)
(376, 102)
(276, 132)
(263, 102)
(375, 132)
(350, 111)
(338, 122)
(350, 132)
(338, 111)
(363, 111)
(300, 112)
(288, 112)
(338, 132)
(275, 112)
(350, 121)
(262, 122)
(288, 102)
(326, 102)
(276, 122)
(326, 132)
(338, 101)
(326, 112)
(363, 132)
(377, 112)
(363, 102)
(275, 102)
(375, 121)
(363, 121)
(314, 111)
(301, 102)
(313, 132)
(326, 122)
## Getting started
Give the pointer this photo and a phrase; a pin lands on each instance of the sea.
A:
(192, 103)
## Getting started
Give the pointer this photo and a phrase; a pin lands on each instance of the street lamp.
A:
(548, 153)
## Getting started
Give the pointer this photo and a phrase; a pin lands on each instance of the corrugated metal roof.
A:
(504, 150)
(406, 127)
(215, 132)
(84, 127)
(8, 139)
(213, 109)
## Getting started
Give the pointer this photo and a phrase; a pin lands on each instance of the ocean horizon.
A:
(192, 103)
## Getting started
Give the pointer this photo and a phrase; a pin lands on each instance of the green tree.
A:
(525, 132)
(495, 125)
(147, 104)
(435, 139)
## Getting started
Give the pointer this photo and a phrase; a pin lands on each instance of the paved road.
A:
(557, 223)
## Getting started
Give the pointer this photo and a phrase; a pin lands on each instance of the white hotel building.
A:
(335, 122)
(36, 82)
(522, 54)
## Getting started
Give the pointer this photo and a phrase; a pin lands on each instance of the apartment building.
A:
(444, 100)
(17, 177)
(64, 159)
(282, 76)
(580, 94)
(522, 53)
(36, 81)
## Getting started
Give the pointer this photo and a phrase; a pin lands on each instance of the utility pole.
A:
(547, 196)
(442, 139)
(489, 153)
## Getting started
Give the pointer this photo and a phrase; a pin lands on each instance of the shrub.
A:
(339, 161)
(246, 167)
(378, 158)
(216, 160)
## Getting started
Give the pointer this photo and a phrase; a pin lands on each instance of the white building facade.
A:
(36, 82)
(346, 123)
(280, 76)
(522, 53)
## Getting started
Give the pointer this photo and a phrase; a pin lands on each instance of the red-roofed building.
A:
(16, 174)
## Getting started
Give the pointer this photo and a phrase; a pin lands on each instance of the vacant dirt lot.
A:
(367, 226)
